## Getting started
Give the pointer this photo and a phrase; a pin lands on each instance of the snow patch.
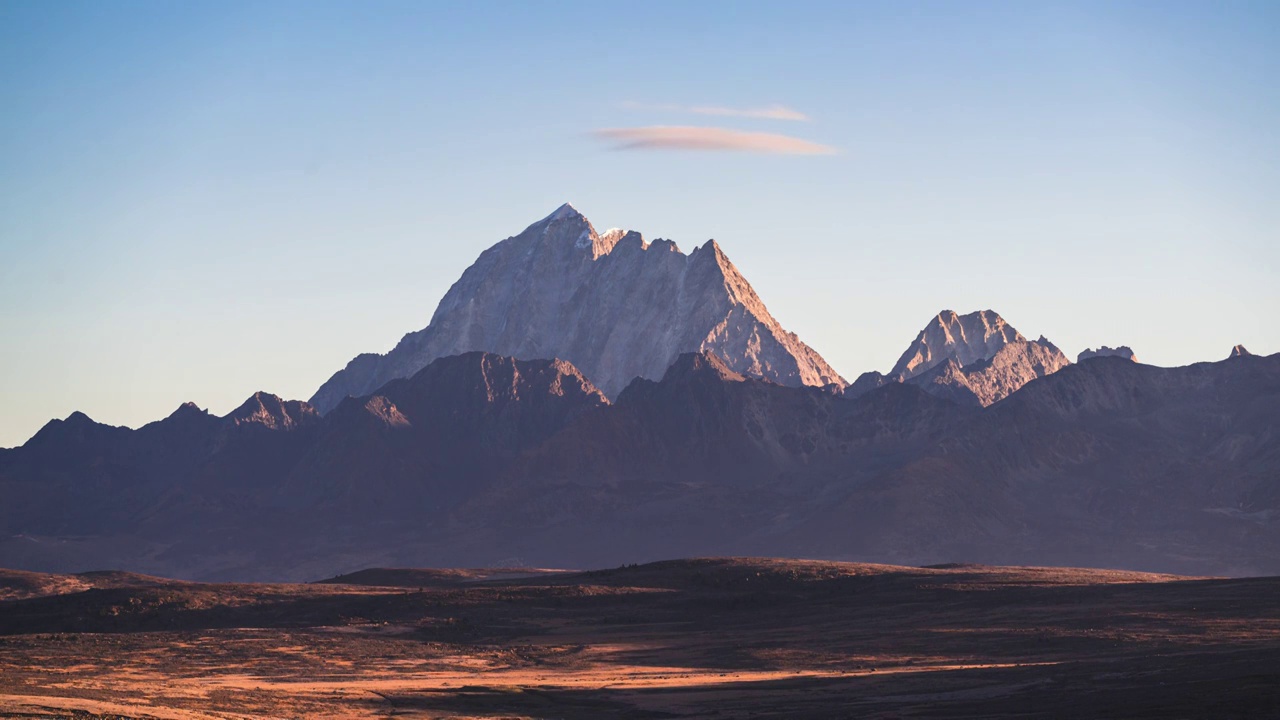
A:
(564, 211)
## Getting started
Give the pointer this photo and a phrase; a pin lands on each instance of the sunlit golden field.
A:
(697, 638)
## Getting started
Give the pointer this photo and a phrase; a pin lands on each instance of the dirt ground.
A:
(712, 638)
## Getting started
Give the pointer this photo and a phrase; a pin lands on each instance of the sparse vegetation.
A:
(709, 637)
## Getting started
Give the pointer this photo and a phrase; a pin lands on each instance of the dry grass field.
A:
(709, 638)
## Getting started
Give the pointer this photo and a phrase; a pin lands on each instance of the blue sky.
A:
(201, 200)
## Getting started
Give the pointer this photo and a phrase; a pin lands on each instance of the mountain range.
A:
(584, 399)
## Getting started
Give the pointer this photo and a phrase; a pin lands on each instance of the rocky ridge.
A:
(485, 460)
(973, 359)
(1123, 351)
(988, 381)
(614, 305)
(962, 338)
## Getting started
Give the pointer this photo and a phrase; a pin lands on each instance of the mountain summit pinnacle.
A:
(976, 359)
(967, 338)
(613, 305)
(564, 211)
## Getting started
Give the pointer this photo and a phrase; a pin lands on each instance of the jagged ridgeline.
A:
(614, 305)
(973, 359)
(582, 399)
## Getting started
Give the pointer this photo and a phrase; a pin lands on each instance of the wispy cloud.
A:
(772, 112)
(666, 137)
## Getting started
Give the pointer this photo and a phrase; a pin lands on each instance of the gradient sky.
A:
(201, 200)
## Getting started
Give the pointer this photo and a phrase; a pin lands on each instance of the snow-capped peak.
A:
(564, 211)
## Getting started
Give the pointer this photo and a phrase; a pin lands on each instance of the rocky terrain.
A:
(974, 359)
(679, 639)
(964, 339)
(1123, 351)
(987, 381)
(614, 305)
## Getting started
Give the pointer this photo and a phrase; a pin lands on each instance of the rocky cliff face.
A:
(1123, 351)
(988, 381)
(973, 359)
(963, 338)
(615, 306)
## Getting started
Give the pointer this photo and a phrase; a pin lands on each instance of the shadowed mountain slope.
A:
(1106, 464)
(196, 495)
(424, 443)
(480, 460)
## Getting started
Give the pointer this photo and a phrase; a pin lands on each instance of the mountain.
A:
(422, 444)
(100, 475)
(704, 461)
(273, 485)
(703, 425)
(973, 359)
(962, 338)
(614, 305)
(990, 380)
(269, 411)
(1105, 464)
(484, 460)
(1123, 351)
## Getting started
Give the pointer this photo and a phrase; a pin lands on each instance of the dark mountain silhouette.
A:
(424, 443)
(1107, 463)
(481, 460)
(195, 494)
(1123, 351)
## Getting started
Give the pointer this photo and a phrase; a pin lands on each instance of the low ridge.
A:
(272, 411)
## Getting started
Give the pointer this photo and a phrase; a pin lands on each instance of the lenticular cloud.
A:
(664, 137)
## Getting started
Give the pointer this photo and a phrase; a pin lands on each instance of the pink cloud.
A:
(668, 137)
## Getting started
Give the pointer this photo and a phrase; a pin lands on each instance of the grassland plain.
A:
(701, 638)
